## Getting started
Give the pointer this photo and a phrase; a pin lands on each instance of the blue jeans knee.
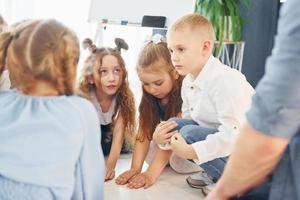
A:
(182, 122)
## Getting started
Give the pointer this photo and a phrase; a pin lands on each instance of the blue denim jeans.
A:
(192, 132)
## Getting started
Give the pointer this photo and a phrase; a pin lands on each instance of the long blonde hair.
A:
(124, 96)
(149, 115)
(40, 50)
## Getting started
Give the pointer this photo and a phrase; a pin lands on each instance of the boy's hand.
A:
(162, 133)
(181, 148)
(126, 176)
(141, 180)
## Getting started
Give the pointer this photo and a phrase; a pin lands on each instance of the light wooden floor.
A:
(170, 185)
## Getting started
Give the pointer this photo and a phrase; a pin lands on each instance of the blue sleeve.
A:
(275, 107)
(90, 167)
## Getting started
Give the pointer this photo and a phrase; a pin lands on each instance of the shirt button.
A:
(192, 109)
(192, 87)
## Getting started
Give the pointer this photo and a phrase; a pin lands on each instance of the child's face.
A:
(188, 51)
(157, 83)
(108, 77)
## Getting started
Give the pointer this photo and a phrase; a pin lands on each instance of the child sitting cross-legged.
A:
(215, 99)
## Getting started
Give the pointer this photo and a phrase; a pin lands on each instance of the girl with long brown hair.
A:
(104, 82)
(160, 101)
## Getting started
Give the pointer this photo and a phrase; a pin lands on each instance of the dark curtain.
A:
(259, 31)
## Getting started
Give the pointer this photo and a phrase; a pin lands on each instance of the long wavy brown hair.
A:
(149, 115)
(40, 50)
(124, 97)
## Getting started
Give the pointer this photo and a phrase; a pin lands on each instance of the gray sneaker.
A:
(199, 180)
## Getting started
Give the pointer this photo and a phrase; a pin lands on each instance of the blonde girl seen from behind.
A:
(104, 82)
(48, 135)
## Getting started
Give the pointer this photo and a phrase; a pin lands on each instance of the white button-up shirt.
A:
(218, 98)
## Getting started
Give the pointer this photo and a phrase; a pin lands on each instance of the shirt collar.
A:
(204, 74)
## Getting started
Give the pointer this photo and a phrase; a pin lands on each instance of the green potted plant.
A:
(226, 18)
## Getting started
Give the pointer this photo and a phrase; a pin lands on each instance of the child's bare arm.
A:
(139, 154)
(117, 142)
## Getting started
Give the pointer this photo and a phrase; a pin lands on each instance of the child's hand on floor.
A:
(162, 133)
(126, 176)
(181, 148)
(109, 173)
(141, 180)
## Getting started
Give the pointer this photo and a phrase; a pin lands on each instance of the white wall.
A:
(134, 10)
(73, 14)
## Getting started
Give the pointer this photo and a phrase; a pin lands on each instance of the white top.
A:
(4, 81)
(104, 117)
(218, 98)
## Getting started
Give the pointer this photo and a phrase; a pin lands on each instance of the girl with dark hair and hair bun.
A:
(104, 82)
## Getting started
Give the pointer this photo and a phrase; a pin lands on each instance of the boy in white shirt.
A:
(215, 98)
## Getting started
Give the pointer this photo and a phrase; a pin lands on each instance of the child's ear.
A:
(207, 46)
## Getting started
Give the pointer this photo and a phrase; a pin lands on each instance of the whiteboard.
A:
(134, 10)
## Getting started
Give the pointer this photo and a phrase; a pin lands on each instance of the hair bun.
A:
(88, 44)
(121, 44)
